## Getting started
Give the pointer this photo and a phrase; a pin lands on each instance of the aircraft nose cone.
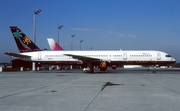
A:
(172, 59)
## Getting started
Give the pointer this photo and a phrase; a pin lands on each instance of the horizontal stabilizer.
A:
(16, 55)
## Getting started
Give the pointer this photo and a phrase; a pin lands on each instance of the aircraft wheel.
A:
(85, 71)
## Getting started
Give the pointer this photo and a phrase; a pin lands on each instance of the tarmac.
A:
(73, 90)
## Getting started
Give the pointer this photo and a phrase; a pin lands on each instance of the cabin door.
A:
(124, 55)
(158, 56)
(39, 56)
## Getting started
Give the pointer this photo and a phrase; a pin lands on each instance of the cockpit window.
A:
(168, 55)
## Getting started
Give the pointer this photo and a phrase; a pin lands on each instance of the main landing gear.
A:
(89, 69)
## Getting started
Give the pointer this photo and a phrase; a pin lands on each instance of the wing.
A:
(16, 55)
(84, 58)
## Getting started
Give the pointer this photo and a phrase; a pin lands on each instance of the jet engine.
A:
(103, 66)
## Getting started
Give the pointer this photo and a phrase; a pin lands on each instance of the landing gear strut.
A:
(154, 70)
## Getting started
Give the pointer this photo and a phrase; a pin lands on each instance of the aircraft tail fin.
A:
(23, 42)
(54, 45)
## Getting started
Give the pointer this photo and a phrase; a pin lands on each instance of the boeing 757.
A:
(102, 59)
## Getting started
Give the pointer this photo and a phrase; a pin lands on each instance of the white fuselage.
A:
(124, 57)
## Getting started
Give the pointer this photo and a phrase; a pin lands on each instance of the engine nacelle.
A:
(103, 66)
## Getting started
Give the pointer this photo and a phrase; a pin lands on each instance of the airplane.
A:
(90, 58)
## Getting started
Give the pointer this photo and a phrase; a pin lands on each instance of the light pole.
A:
(72, 41)
(59, 27)
(80, 43)
(35, 13)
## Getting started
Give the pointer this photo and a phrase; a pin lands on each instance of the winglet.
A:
(23, 42)
(53, 45)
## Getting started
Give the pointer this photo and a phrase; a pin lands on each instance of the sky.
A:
(101, 24)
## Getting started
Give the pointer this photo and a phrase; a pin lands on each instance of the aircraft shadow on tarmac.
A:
(117, 71)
